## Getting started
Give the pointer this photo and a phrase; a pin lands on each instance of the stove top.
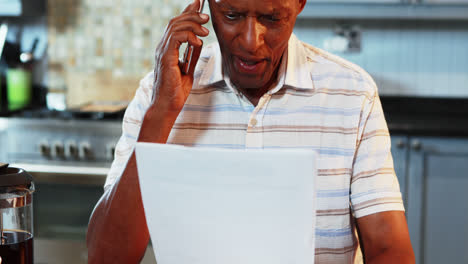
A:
(36, 138)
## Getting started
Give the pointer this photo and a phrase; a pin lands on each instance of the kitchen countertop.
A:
(426, 116)
(405, 115)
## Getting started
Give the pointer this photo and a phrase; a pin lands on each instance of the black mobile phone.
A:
(188, 63)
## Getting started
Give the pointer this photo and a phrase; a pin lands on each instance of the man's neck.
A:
(254, 94)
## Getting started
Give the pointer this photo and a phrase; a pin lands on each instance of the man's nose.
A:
(252, 35)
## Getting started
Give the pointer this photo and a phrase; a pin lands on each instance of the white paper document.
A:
(220, 206)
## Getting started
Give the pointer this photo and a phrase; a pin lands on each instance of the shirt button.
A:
(253, 122)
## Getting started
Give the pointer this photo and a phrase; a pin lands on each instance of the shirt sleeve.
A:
(131, 125)
(374, 185)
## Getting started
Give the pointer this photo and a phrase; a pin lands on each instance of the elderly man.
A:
(260, 87)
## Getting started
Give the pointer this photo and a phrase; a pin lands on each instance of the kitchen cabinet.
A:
(446, 2)
(434, 183)
(400, 161)
(450, 10)
(311, 2)
(53, 251)
(402, 2)
(355, 1)
(3, 126)
(10, 7)
(2, 156)
(67, 217)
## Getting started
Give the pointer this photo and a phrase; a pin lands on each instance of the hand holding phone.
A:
(188, 63)
(173, 77)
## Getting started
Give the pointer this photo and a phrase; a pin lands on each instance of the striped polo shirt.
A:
(320, 102)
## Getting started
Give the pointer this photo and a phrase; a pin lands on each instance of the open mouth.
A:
(249, 66)
(249, 63)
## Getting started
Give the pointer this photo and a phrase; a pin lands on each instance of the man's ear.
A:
(302, 4)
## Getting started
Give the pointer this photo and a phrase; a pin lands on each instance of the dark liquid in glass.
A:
(17, 248)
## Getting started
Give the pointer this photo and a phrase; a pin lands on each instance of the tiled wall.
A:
(406, 58)
(99, 50)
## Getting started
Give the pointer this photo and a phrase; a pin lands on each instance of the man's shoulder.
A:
(328, 68)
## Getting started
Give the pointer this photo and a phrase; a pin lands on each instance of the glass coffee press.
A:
(16, 216)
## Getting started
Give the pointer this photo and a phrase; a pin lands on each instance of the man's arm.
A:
(117, 231)
(375, 194)
(385, 238)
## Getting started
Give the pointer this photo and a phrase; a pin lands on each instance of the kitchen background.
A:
(97, 51)
(110, 45)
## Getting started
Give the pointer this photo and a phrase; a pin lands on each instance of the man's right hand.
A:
(171, 86)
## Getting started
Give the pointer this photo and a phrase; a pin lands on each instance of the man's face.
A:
(253, 34)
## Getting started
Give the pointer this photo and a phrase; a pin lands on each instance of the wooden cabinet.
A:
(434, 180)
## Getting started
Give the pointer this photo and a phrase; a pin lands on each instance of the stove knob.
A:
(59, 149)
(86, 151)
(72, 150)
(44, 148)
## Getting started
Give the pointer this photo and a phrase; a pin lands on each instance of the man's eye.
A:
(271, 18)
(232, 16)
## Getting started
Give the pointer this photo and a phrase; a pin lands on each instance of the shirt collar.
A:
(295, 69)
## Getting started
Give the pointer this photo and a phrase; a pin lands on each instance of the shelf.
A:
(384, 11)
(10, 8)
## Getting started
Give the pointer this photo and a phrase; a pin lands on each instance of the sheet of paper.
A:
(219, 206)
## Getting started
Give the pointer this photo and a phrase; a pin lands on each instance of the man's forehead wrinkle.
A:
(267, 7)
(225, 5)
(234, 5)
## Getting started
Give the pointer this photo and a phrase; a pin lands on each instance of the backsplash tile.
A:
(99, 50)
(406, 58)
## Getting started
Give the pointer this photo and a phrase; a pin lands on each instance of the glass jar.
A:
(16, 216)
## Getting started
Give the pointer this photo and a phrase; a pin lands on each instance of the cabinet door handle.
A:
(400, 144)
(416, 145)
